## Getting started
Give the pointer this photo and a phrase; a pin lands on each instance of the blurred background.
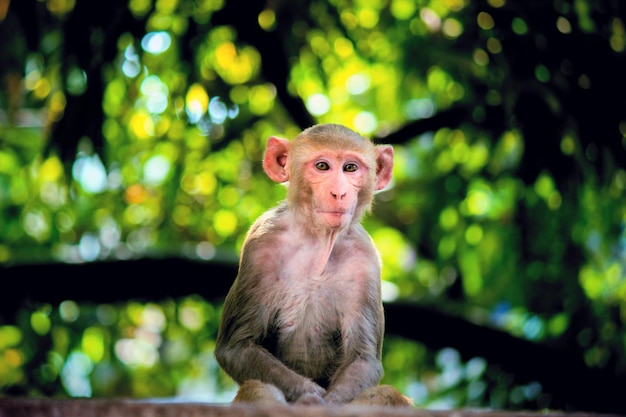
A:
(131, 140)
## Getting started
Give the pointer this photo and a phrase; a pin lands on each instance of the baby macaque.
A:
(303, 322)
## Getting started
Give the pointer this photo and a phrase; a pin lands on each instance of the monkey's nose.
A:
(338, 196)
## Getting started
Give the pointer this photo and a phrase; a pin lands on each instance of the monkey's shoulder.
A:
(269, 221)
(357, 240)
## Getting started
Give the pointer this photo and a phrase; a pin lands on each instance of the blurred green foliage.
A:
(174, 167)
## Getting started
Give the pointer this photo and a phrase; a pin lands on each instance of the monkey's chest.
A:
(308, 330)
(317, 300)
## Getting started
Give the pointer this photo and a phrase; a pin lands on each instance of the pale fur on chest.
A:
(320, 296)
(314, 293)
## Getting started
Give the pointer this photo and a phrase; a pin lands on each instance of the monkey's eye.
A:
(322, 166)
(351, 167)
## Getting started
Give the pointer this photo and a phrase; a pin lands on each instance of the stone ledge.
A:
(46, 407)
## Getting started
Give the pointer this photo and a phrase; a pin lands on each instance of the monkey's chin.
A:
(335, 219)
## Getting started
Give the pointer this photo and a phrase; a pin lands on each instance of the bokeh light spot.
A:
(519, 26)
(403, 9)
(365, 122)
(225, 222)
(452, 28)
(156, 170)
(156, 42)
(318, 104)
(485, 21)
(40, 322)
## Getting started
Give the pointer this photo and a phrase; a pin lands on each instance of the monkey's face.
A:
(333, 183)
(332, 174)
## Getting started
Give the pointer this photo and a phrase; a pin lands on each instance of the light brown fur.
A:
(304, 316)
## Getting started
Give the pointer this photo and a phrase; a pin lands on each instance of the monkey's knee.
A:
(382, 395)
(255, 391)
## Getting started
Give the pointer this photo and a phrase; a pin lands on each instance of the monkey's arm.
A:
(247, 360)
(362, 348)
(363, 372)
(239, 348)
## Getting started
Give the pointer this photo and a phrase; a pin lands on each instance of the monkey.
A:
(303, 321)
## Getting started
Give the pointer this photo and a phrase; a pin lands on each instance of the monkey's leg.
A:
(382, 395)
(259, 392)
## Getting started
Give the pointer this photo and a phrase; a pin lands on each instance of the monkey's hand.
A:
(310, 399)
(333, 400)
(307, 392)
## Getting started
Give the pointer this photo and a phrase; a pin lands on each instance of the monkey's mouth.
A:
(335, 218)
(335, 212)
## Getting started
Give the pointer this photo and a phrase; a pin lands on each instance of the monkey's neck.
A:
(320, 241)
(326, 245)
(319, 248)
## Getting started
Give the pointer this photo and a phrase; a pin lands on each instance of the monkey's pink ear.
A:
(384, 166)
(275, 160)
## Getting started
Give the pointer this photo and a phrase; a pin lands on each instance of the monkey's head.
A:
(332, 172)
